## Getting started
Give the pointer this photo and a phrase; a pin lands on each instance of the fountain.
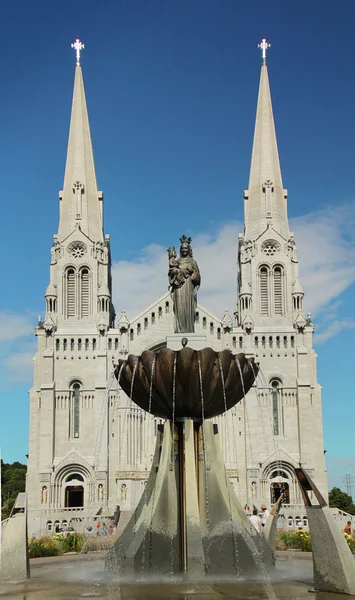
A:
(189, 519)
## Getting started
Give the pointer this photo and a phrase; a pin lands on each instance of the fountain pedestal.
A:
(196, 341)
(189, 519)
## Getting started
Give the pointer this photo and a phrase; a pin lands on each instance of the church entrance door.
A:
(276, 490)
(74, 496)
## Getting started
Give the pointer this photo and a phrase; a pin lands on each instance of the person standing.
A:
(264, 514)
(256, 521)
(98, 526)
(347, 528)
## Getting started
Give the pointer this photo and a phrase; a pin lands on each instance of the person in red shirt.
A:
(98, 528)
(347, 528)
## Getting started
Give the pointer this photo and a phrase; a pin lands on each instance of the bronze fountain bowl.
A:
(158, 391)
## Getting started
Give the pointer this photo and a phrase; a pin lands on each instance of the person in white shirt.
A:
(264, 514)
(256, 521)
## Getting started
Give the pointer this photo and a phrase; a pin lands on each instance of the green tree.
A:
(341, 500)
(13, 481)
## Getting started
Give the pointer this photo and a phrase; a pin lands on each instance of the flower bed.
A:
(301, 540)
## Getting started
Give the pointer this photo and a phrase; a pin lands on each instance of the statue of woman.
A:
(184, 281)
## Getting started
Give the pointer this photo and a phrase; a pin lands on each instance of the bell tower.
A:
(270, 315)
(68, 474)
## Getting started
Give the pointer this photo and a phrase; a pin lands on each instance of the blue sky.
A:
(171, 90)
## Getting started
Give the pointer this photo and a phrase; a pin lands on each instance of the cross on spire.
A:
(264, 46)
(78, 46)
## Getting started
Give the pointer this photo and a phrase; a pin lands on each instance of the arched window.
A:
(240, 342)
(211, 328)
(278, 300)
(167, 306)
(65, 344)
(70, 295)
(138, 328)
(153, 318)
(75, 409)
(146, 323)
(86, 344)
(72, 344)
(49, 526)
(218, 333)
(204, 322)
(264, 290)
(116, 343)
(197, 317)
(79, 344)
(160, 312)
(275, 393)
(131, 334)
(84, 292)
(109, 344)
(57, 344)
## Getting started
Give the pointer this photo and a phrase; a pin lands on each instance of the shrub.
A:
(294, 540)
(70, 543)
(350, 541)
(44, 546)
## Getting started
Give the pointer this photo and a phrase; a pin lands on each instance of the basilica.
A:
(90, 447)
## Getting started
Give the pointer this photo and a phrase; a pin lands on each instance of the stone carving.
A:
(184, 281)
(123, 492)
(44, 494)
(100, 492)
(77, 249)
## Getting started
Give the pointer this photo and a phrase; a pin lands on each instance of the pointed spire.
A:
(81, 202)
(265, 200)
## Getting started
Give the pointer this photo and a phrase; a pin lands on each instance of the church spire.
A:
(81, 202)
(265, 200)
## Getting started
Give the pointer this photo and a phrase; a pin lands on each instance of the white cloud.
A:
(14, 326)
(137, 283)
(325, 242)
(332, 329)
(18, 367)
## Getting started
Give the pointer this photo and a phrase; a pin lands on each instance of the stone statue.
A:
(123, 492)
(100, 492)
(44, 494)
(184, 281)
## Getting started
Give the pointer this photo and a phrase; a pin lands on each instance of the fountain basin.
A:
(198, 384)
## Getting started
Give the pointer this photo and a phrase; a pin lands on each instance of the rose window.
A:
(270, 247)
(77, 249)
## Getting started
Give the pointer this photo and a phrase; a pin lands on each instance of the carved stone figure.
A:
(100, 492)
(184, 281)
(44, 494)
(123, 491)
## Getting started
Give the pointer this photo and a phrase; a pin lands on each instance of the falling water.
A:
(247, 429)
(228, 484)
(204, 446)
(260, 407)
(172, 465)
(102, 419)
(146, 463)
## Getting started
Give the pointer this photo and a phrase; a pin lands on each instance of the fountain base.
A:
(189, 519)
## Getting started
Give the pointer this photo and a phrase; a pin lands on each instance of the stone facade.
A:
(90, 450)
